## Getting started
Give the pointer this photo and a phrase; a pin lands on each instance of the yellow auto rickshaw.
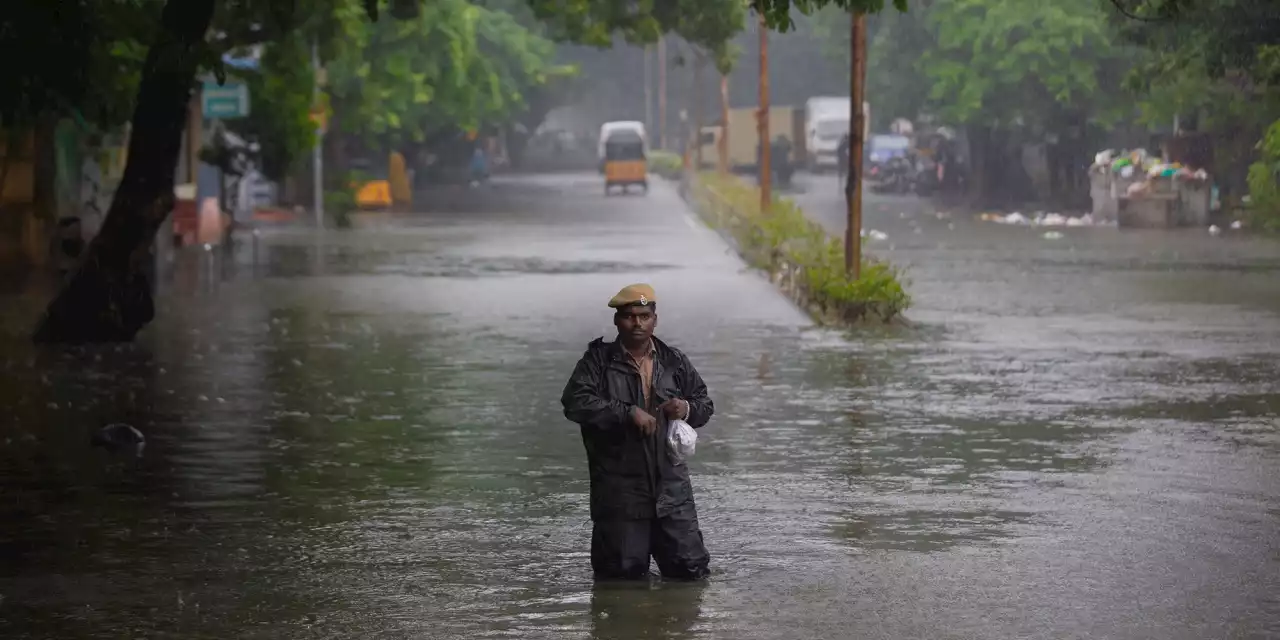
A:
(625, 163)
(378, 192)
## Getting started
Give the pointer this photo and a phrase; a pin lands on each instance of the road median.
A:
(799, 256)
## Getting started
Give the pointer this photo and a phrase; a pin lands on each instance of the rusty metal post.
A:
(857, 127)
(763, 168)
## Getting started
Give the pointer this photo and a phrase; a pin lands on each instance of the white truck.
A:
(826, 120)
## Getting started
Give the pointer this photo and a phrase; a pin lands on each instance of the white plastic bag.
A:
(681, 441)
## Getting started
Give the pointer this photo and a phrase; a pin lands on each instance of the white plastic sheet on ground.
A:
(681, 440)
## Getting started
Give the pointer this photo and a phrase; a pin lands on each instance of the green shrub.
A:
(340, 202)
(338, 206)
(787, 242)
(1264, 182)
(666, 164)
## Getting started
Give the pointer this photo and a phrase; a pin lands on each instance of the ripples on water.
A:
(314, 469)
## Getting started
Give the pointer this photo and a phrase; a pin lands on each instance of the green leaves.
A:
(778, 13)
(996, 62)
(458, 64)
(281, 93)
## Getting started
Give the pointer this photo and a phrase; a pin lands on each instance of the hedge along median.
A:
(666, 164)
(798, 254)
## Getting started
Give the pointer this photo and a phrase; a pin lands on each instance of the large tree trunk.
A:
(108, 299)
(45, 165)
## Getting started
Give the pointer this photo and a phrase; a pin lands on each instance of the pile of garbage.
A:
(1040, 219)
(1145, 169)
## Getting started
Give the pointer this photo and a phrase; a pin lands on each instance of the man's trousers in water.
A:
(620, 549)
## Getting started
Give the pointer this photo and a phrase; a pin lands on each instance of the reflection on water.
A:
(325, 459)
(624, 612)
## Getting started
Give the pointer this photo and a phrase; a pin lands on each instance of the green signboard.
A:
(225, 102)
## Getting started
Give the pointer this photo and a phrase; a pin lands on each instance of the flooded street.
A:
(361, 436)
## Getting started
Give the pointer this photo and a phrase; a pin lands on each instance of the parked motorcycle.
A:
(894, 176)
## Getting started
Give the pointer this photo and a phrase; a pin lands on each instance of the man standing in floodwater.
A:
(623, 394)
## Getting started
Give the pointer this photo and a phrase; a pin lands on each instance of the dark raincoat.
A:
(641, 503)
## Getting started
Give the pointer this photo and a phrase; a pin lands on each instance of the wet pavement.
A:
(360, 436)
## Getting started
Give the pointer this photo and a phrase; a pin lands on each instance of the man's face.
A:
(635, 323)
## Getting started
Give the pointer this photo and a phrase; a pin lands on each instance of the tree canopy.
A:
(457, 63)
(778, 13)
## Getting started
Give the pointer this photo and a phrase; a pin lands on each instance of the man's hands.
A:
(675, 409)
(672, 409)
(647, 424)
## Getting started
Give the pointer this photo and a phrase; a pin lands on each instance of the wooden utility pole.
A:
(763, 168)
(317, 151)
(857, 127)
(696, 140)
(723, 147)
(662, 92)
(648, 96)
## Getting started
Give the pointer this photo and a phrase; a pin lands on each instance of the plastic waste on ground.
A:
(1039, 219)
(682, 439)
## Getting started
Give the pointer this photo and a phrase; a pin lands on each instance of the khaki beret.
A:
(641, 294)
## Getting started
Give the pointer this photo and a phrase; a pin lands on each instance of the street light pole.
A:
(763, 169)
(857, 127)
(317, 157)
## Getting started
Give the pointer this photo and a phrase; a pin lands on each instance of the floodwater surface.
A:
(361, 436)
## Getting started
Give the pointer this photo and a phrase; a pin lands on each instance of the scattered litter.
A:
(1053, 235)
(1040, 219)
(1214, 230)
(874, 235)
(1237, 224)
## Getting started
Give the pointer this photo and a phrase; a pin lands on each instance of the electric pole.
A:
(662, 92)
(696, 139)
(317, 155)
(763, 168)
(857, 127)
(722, 149)
(648, 96)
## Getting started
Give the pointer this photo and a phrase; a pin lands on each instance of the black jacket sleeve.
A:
(694, 391)
(583, 401)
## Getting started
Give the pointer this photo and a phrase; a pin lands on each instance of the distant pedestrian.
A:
(479, 165)
(623, 394)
